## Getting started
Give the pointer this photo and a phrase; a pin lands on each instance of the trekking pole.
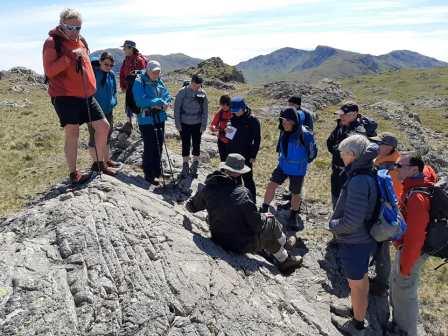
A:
(80, 69)
(166, 151)
(156, 131)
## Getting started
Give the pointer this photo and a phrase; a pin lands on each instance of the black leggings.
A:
(191, 133)
(152, 135)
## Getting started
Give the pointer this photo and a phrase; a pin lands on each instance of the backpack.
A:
(129, 98)
(58, 48)
(436, 242)
(366, 126)
(307, 139)
(387, 221)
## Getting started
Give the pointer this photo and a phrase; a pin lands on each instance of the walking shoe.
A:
(194, 168)
(77, 178)
(185, 170)
(290, 242)
(378, 289)
(342, 310)
(114, 164)
(152, 180)
(126, 129)
(290, 264)
(264, 208)
(286, 196)
(392, 329)
(295, 222)
(349, 327)
(101, 166)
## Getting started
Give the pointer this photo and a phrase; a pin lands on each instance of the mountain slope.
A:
(324, 61)
(169, 62)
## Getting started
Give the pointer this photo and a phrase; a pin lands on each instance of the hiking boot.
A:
(286, 196)
(114, 164)
(264, 208)
(349, 327)
(185, 170)
(378, 289)
(77, 178)
(392, 329)
(194, 168)
(101, 166)
(290, 264)
(295, 222)
(290, 242)
(152, 180)
(342, 310)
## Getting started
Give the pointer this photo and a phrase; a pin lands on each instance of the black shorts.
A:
(110, 120)
(73, 110)
(295, 182)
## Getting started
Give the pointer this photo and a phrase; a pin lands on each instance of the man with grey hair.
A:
(350, 224)
(234, 220)
(71, 86)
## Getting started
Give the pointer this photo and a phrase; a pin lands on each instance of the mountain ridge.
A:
(325, 61)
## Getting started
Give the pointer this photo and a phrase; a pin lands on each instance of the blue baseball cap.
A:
(237, 104)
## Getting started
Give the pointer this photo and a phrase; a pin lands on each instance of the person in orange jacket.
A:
(409, 257)
(71, 86)
(387, 158)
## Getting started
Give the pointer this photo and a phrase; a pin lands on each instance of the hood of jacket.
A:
(219, 178)
(365, 161)
(426, 179)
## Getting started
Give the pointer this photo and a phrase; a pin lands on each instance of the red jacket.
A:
(219, 123)
(63, 80)
(131, 63)
(415, 208)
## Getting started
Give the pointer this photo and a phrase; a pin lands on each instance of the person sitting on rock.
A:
(235, 224)
(219, 126)
(305, 116)
(245, 138)
(191, 117)
(106, 95)
(349, 121)
(294, 146)
(152, 97)
(350, 223)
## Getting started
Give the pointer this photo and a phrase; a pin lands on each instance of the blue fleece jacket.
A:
(106, 90)
(149, 95)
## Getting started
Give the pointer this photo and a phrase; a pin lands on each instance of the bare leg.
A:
(296, 200)
(71, 132)
(359, 297)
(101, 128)
(270, 192)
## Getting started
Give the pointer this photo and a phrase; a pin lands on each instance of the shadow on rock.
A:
(331, 265)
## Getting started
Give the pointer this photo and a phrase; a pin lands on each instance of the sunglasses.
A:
(71, 28)
(399, 165)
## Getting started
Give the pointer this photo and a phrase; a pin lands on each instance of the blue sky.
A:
(235, 30)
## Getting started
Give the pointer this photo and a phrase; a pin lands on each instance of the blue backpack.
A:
(387, 221)
(307, 139)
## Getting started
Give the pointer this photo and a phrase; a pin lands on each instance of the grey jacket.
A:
(355, 207)
(187, 109)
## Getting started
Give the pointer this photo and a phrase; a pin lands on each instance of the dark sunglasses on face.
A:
(71, 28)
(399, 165)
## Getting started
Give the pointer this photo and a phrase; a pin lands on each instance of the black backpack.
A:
(436, 242)
(130, 101)
(58, 47)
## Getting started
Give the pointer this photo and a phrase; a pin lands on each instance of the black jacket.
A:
(232, 215)
(248, 136)
(361, 125)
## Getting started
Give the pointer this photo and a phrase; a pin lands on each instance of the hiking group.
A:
(380, 197)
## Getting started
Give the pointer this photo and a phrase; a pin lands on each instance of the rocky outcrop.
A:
(314, 96)
(214, 71)
(118, 257)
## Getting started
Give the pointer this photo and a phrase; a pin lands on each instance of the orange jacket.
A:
(63, 80)
(391, 159)
(416, 207)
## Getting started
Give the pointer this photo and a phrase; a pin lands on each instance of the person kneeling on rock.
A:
(234, 220)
